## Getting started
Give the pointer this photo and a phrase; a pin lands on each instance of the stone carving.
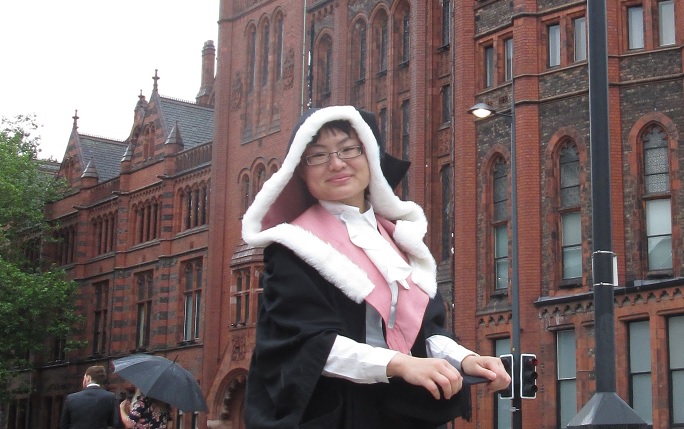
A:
(236, 91)
(288, 68)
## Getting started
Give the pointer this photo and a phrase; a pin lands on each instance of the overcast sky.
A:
(95, 57)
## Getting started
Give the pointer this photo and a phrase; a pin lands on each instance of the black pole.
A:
(516, 402)
(605, 409)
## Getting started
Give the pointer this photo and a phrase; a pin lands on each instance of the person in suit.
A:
(93, 407)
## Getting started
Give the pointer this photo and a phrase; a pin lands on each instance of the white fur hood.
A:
(284, 197)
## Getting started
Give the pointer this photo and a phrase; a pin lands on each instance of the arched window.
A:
(657, 200)
(569, 211)
(251, 57)
(499, 223)
(245, 193)
(265, 45)
(279, 47)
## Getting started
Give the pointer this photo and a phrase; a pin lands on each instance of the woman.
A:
(350, 331)
(143, 412)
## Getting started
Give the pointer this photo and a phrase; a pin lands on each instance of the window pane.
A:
(568, 401)
(572, 262)
(639, 347)
(554, 45)
(501, 239)
(675, 335)
(580, 32)
(489, 66)
(666, 15)
(508, 45)
(678, 396)
(567, 367)
(658, 217)
(187, 328)
(660, 253)
(635, 23)
(642, 401)
(572, 233)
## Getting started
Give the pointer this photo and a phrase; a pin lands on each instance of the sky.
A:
(96, 57)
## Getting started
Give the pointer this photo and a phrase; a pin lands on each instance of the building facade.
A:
(419, 66)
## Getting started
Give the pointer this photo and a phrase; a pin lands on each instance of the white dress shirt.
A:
(367, 362)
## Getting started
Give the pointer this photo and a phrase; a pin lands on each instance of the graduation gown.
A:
(300, 318)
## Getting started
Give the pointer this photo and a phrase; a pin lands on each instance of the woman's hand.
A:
(489, 367)
(438, 376)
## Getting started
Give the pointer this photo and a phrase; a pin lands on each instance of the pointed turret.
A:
(203, 97)
(89, 178)
(174, 142)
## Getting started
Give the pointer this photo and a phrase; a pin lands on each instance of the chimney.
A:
(203, 97)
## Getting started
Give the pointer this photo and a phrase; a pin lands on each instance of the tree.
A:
(36, 301)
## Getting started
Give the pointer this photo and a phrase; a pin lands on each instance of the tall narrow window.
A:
(579, 26)
(405, 144)
(446, 22)
(264, 56)
(508, 55)
(502, 419)
(567, 376)
(500, 226)
(570, 217)
(251, 55)
(362, 53)
(241, 297)
(675, 333)
(489, 65)
(406, 37)
(245, 193)
(447, 211)
(192, 298)
(279, 47)
(144, 283)
(666, 22)
(640, 378)
(446, 104)
(101, 312)
(382, 118)
(635, 27)
(657, 205)
(383, 45)
(554, 45)
(328, 67)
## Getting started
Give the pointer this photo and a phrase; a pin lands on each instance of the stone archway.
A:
(232, 413)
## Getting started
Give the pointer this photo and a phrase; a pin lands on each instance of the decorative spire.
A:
(90, 171)
(75, 118)
(174, 136)
(128, 155)
(155, 78)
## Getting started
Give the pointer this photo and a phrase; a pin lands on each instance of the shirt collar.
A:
(337, 209)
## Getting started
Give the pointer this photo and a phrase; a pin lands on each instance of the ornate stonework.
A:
(236, 91)
(288, 68)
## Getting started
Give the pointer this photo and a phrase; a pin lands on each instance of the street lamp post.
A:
(483, 110)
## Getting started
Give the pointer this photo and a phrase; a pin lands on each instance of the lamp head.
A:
(481, 110)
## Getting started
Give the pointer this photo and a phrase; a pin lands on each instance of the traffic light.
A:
(507, 361)
(528, 376)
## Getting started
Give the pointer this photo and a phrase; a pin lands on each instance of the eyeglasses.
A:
(348, 152)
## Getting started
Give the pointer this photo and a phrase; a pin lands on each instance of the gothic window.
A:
(100, 317)
(383, 46)
(382, 119)
(500, 223)
(446, 22)
(569, 209)
(447, 211)
(264, 56)
(192, 294)
(245, 193)
(446, 104)
(658, 213)
(489, 66)
(145, 285)
(251, 56)
(360, 35)
(406, 37)
(279, 47)
(405, 145)
(259, 178)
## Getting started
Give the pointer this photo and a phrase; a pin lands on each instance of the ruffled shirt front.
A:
(367, 362)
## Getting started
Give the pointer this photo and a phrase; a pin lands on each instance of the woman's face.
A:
(341, 180)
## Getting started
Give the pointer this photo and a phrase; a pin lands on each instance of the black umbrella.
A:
(162, 379)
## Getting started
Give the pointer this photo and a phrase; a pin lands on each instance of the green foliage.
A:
(24, 189)
(36, 304)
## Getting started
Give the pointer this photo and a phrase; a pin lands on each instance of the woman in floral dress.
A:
(143, 412)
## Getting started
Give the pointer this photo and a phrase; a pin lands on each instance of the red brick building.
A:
(420, 66)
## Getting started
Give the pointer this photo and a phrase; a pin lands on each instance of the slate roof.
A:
(105, 155)
(196, 123)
